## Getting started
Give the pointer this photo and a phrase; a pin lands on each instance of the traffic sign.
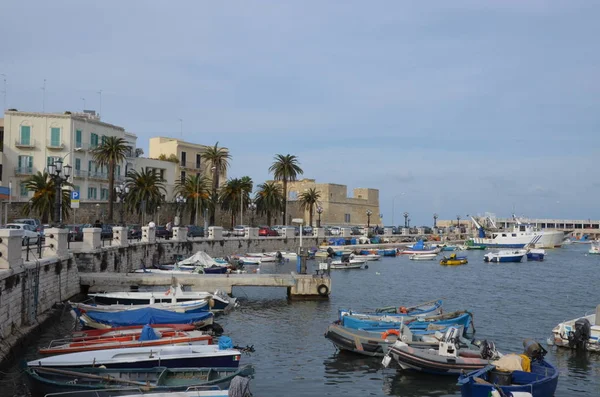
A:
(74, 199)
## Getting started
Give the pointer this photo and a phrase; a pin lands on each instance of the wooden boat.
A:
(449, 359)
(46, 380)
(505, 256)
(353, 264)
(422, 257)
(91, 334)
(143, 316)
(540, 382)
(181, 307)
(382, 323)
(136, 340)
(581, 333)
(454, 260)
(430, 307)
(146, 357)
(538, 378)
(173, 295)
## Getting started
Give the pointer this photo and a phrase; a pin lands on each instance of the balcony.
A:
(55, 145)
(190, 165)
(80, 174)
(25, 143)
(98, 175)
(23, 171)
(81, 147)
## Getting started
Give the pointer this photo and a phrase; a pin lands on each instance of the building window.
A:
(162, 174)
(25, 164)
(54, 137)
(347, 218)
(77, 164)
(183, 158)
(92, 193)
(293, 195)
(51, 160)
(25, 135)
(78, 138)
(182, 178)
(23, 191)
(103, 194)
(103, 139)
(198, 158)
(93, 140)
(118, 170)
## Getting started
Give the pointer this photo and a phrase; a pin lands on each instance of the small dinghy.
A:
(346, 263)
(383, 323)
(239, 387)
(142, 316)
(116, 332)
(505, 256)
(368, 257)
(454, 260)
(522, 375)
(181, 307)
(581, 333)
(449, 359)
(536, 254)
(422, 257)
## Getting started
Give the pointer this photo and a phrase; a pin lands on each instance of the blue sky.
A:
(464, 106)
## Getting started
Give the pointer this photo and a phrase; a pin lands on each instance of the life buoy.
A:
(323, 290)
(402, 310)
(389, 332)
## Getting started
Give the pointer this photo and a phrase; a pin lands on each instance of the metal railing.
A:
(190, 164)
(33, 250)
(23, 170)
(25, 142)
(55, 145)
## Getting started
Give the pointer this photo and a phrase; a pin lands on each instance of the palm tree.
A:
(146, 191)
(111, 152)
(286, 169)
(269, 199)
(234, 194)
(219, 159)
(43, 200)
(308, 200)
(196, 190)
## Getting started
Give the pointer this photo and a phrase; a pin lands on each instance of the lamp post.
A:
(406, 219)
(158, 215)
(458, 221)
(319, 211)
(369, 213)
(122, 192)
(435, 218)
(180, 200)
(252, 208)
(59, 174)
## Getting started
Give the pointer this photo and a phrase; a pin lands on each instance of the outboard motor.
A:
(583, 331)
(449, 343)
(488, 350)
(346, 258)
(534, 350)
(279, 256)
(330, 252)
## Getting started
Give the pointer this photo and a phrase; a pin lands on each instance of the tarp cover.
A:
(200, 258)
(147, 316)
(149, 333)
(225, 343)
(418, 245)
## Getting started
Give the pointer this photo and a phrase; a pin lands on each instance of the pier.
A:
(298, 285)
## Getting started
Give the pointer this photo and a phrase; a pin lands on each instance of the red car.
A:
(267, 231)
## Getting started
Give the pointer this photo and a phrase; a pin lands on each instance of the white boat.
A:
(348, 264)
(580, 333)
(262, 257)
(146, 357)
(521, 235)
(221, 301)
(422, 257)
(594, 248)
(505, 256)
(368, 257)
(181, 307)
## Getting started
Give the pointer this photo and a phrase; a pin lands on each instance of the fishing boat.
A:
(594, 248)
(449, 359)
(581, 333)
(222, 302)
(352, 264)
(422, 257)
(383, 323)
(505, 256)
(147, 337)
(454, 260)
(239, 387)
(536, 254)
(470, 245)
(426, 308)
(449, 247)
(143, 316)
(91, 334)
(45, 380)
(368, 257)
(519, 236)
(181, 307)
(539, 380)
(387, 252)
(190, 356)
(420, 248)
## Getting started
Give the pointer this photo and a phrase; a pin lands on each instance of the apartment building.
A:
(189, 156)
(34, 140)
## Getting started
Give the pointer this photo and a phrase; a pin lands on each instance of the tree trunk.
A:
(284, 202)
(214, 195)
(111, 190)
(269, 218)
(310, 216)
(232, 219)
(192, 216)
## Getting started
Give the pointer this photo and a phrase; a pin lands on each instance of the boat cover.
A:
(149, 333)
(147, 316)
(225, 343)
(418, 246)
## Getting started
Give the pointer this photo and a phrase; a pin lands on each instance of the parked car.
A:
(29, 221)
(356, 231)
(278, 229)
(307, 231)
(134, 232)
(267, 232)
(107, 232)
(335, 230)
(195, 231)
(226, 233)
(29, 234)
(239, 230)
(75, 232)
(163, 232)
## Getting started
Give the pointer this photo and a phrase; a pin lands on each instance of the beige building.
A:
(338, 208)
(34, 140)
(189, 156)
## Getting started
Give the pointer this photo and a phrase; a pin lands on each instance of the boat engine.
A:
(583, 331)
(534, 350)
(449, 343)
(488, 350)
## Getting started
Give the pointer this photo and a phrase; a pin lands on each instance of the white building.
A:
(33, 140)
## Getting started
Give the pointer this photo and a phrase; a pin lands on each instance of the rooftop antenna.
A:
(44, 97)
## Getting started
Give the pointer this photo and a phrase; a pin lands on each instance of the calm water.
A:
(510, 302)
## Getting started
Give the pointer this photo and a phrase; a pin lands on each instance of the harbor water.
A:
(509, 301)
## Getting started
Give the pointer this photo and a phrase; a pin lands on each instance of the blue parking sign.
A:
(74, 199)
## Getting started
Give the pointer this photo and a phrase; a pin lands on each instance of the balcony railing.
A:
(80, 174)
(190, 164)
(98, 175)
(24, 171)
(55, 145)
(25, 143)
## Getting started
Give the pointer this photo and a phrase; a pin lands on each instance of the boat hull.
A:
(540, 239)
(560, 334)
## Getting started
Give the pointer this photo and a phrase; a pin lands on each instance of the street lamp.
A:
(369, 213)
(180, 200)
(55, 170)
(319, 211)
(252, 208)
(122, 192)
(458, 220)
(406, 219)
(435, 218)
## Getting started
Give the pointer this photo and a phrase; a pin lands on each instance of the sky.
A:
(450, 107)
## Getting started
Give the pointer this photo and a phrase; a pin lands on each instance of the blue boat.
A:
(142, 317)
(536, 254)
(427, 308)
(540, 382)
(462, 318)
(505, 256)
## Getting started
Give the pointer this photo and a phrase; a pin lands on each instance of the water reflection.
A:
(409, 384)
(343, 367)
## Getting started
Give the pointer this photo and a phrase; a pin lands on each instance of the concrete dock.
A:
(298, 285)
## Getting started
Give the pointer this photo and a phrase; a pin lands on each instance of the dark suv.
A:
(195, 231)
(163, 232)
(134, 232)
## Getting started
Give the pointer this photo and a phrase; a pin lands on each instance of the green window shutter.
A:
(55, 137)
(30, 161)
(118, 170)
(78, 138)
(78, 164)
(23, 189)
(25, 135)
(103, 139)
(49, 161)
